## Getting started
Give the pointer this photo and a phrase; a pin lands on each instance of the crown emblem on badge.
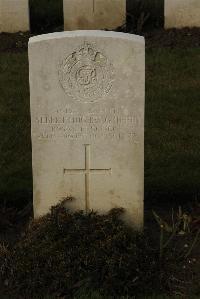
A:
(85, 50)
(86, 75)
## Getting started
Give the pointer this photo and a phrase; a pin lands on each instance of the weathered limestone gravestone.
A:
(94, 14)
(87, 112)
(14, 15)
(182, 13)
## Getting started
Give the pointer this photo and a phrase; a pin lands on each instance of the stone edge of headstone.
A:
(88, 33)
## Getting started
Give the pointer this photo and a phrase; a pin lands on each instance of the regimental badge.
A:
(86, 74)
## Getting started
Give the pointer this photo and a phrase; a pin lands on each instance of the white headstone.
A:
(87, 112)
(14, 15)
(94, 14)
(182, 13)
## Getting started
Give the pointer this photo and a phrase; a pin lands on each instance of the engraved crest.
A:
(86, 74)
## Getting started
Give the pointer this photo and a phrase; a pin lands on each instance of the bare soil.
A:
(173, 38)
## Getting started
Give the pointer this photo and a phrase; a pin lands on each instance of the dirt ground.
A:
(173, 38)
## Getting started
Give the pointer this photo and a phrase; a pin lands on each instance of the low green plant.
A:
(179, 239)
(181, 223)
(64, 252)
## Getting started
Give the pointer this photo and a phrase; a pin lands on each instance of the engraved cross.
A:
(87, 171)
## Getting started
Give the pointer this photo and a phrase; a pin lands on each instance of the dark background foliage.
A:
(144, 15)
(46, 15)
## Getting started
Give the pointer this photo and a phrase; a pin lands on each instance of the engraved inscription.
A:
(111, 123)
(87, 171)
(86, 75)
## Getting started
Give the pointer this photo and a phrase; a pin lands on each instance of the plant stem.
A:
(193, 244)
(161, 241)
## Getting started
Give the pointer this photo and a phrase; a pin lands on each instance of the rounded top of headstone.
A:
(88, 33)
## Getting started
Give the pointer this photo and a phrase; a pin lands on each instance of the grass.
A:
(172, 136)
(15, 146)
(172, 143)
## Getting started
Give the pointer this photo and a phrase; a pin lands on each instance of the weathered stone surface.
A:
(94, 14)
(14, 15)
(182, 13)
(87, 111)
